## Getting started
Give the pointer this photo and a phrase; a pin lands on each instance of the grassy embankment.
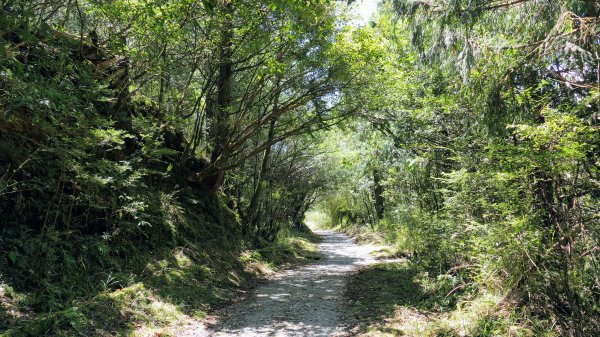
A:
(165, 292)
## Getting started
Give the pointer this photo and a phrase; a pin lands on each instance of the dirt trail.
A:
(301, 302)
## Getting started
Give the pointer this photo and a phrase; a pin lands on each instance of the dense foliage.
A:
(487, 150)
(465, 131)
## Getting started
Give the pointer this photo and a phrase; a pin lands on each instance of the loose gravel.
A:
(307, 301)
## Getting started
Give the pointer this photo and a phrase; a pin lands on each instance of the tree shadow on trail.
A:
(302, 301)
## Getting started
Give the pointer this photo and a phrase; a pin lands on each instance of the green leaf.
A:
(209, 5)
(13, 256)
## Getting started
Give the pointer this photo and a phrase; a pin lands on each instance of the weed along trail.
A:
(300, 302)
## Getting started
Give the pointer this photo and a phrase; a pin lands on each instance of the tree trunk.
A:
(378, 194)
(219, 114)
(254, 207)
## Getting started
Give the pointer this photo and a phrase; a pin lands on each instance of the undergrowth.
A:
(403, 299)
(419, 297)
(174, 287)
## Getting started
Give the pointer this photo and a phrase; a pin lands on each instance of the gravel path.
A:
(301, 302)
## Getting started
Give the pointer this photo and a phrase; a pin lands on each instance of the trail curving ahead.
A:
(301, 302)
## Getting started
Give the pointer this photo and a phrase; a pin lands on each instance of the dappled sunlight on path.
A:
(301, 302)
